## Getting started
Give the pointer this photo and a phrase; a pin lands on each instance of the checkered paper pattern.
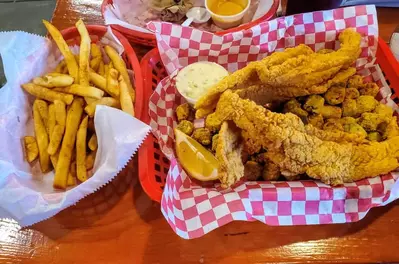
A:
(193, 208)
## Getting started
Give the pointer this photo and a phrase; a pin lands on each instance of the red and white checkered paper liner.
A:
(194, 209)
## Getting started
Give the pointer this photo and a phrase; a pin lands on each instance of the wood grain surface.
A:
(119, 224)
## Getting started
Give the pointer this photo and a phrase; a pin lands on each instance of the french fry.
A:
(72, 174)
(63, 47)
(54, 159)
(51, 119)
(109, 101)
(95, 63)
(98, 80)
(101, 69)
(93, 142)
(81, 151)
(95, 51)
(90, 158)
(112, 83)
(89, 100)
(43, 110)
(81, 90)
(60, 67)
(84, 53)
(106, 69)
(120, 65)
(73, 119)
(47, 94)
(56, 138)
(125, 99)
(60, 112)
(31, 149)
(54, 80)
(41, 138)
(111, 65)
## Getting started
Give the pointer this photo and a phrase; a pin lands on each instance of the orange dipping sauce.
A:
(227, 7)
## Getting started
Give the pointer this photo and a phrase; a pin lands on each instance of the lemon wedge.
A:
(196, 160)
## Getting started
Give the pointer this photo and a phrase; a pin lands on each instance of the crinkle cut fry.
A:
(296, 151)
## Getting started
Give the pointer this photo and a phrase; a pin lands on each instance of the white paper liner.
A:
(26, 195)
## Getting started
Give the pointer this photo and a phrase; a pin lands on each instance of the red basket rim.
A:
(149, 36)
(100, 30)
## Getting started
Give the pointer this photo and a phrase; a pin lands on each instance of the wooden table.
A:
(119, 224)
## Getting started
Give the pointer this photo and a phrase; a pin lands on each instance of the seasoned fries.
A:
(81, 151)
(84, 54)
(31, 149)
(63, 46)
(42, 107)
(112, 83)
(108, 101)
(90, 160)
(54, 80)
(126, 100)
(92, 142)
(78, 83)
(42, 138)
(81, 90)
(47, 94)
(98, 80)
(64, 160)
(120, 65)
(51, 120)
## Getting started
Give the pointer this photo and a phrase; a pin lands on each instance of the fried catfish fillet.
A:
(228, 152)
(296, 150)
(293, 72)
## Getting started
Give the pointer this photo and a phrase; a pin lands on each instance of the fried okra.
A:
(349, 108)
(365, 103)
(313, 103)
(351, 93)
(293, 106)
(186, 127)
(356, 81)
(329, 111)
(212, 123)
(369, 89)
(271, 172)
(335, 95)
(354, 128)
(316, 120)
(183, 112)
(333, 124)
(203, 136)
(252, 170)
(374, 136)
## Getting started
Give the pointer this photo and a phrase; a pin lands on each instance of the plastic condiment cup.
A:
(193, 101)
(226, 22)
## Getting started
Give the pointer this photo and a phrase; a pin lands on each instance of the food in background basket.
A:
(171, 10)
(328, 125)
(65, 104)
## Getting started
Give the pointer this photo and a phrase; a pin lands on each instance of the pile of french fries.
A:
(65, 104)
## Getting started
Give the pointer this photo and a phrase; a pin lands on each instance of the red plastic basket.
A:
(72, 37)
(148, 39)
(153, 174)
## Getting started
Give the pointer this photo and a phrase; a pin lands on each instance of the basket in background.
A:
(96, 32)
(148, 39)
(153, 175)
